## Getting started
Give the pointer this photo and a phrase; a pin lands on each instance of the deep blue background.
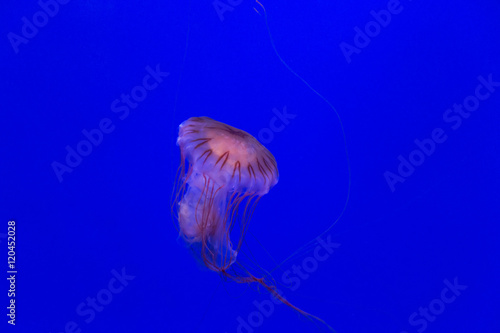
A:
(112, 212)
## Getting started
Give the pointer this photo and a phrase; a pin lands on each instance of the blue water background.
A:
(398, 249)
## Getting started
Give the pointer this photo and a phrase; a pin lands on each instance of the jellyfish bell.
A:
(225, 168)
(230, 156)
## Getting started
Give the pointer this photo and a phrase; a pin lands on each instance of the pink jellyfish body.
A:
(227, 173)
(226, 167)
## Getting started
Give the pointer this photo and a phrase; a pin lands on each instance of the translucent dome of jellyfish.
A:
(226, 174)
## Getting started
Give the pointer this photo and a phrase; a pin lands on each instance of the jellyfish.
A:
(228, 171)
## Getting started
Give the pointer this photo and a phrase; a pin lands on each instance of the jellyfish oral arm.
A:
(202, 220)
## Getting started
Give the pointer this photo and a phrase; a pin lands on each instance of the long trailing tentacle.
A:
(312, 242)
